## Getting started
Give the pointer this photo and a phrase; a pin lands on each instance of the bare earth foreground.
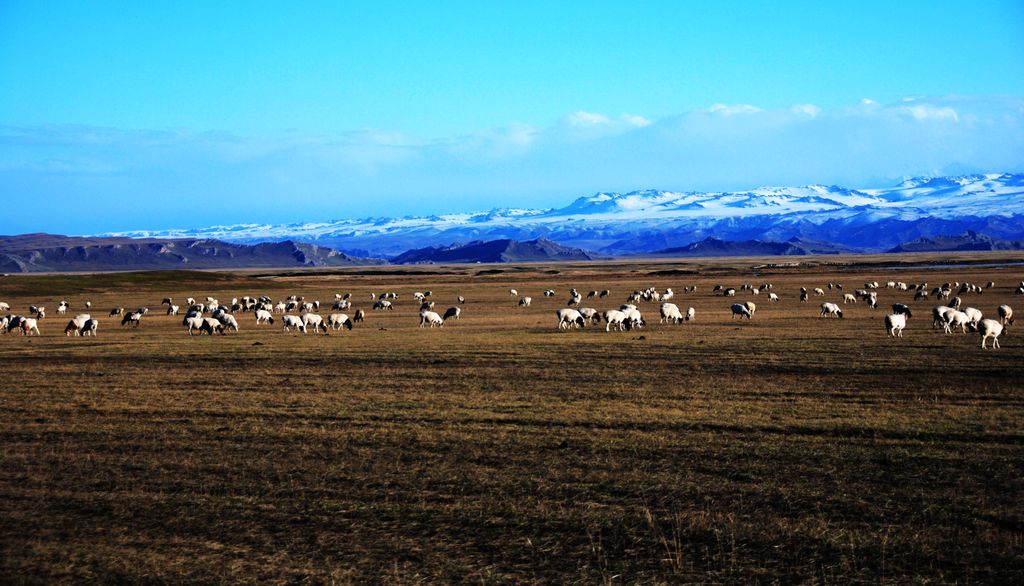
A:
(786, 448)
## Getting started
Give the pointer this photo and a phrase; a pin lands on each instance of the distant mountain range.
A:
(964, 242)
(715, 247)
(870, 220)
(48, 252)
(506, 250)
(53, 253)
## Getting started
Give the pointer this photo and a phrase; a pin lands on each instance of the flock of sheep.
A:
(210, 316)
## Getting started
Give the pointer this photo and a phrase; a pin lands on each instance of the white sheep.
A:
(570, 318)
(773, 297)
(513, 293)
(29, 325)
(172, 310)
(339, 320)
(974, 316)
(262, 315)
(430, 318)
(741, 310)
(293, 321)
(670, 312)
(818, 291)
(955, 319)
(525, 301)
(193, 323)
(939, 315)
(89, 327)
(894, 324)
(829, 309)
(634, 320)
(4, 306)
(614, 317)
(691, 314)
(228, 321)
(1005, 315)
(990, 328)
(312, 319)
(849, 298)
(590, 314)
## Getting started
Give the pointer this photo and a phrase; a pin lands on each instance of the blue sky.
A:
(191, 114)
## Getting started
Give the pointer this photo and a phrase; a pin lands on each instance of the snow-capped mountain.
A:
(645, 221)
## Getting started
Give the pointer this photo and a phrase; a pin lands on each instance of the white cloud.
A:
(928, 112)
(733, 109)
(584, 119)
(806, 109)
(635, 120)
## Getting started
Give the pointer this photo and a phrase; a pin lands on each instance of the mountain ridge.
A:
(649, 220)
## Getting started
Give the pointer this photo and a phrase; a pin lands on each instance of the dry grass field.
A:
(783, 449)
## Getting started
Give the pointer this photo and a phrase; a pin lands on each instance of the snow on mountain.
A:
(643, 221)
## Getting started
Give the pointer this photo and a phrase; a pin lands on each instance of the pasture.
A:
(785, 448)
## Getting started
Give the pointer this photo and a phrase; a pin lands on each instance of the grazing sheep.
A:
(750, 307)
(894, 324)
(452, 313)
(382, 304)
(773, 297)
(339, 320)
(604, 293)
(634, 320)
(849, 298)
(570, 318)
(831, 310)
(592, 294)
(939, 315)
(262, 315)
(72, 328)
(89, 327)
(228, 321)
(209, 325)
(990, 328)
(77, 324)
(359, 316)
(29, 325)
(741, 310)
(671, 313)
(549, 292)
(513, 293)
(341, 304)
(429, 318)
(955, 319)
(427, 306)
(172, 310)
(4, 306)
(312, 319)
(730, 292)
(293, 321)
(955, 303)
(525, 301)
(614, 317)
(818, 291)
(691, 314)
(974, 316)
(1005, 315)
(591, 314)
(133, 319)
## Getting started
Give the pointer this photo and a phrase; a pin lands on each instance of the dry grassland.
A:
(497, 449)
